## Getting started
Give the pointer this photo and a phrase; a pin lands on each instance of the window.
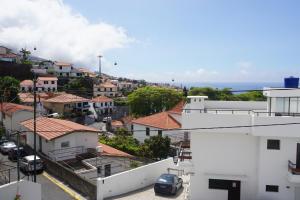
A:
(147, 131)
(23, 89)
(49, 89)
(273, 144)
(60, 67)
(107, 170)
(45, 82)
(272, 188)
(99, 169)
(65, 144)
(132, 127)
(159, 132)
(110, 89)
(105, 103)
(52, 82)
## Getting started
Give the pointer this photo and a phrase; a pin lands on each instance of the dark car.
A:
(13, 153)
(168, 184)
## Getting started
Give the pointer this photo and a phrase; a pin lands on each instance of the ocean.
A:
(234, 86)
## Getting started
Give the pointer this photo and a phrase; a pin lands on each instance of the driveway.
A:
(149, 194)
(50, 191)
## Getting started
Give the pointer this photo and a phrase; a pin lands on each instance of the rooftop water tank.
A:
(291, 82)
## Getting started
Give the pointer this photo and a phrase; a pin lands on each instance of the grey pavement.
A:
(50, 191)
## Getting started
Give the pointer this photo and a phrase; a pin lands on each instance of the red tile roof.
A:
(8, 55)
(63, 64)
(67, 98)
(51, 128)
(162, 120)
(107, 85)
(110, 151)
(26, 83)
(117, 123)
(177, 109)
(11, 108)
(28, 97)
(101, 99)
(42, 78)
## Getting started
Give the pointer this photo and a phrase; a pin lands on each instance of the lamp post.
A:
(100, 56)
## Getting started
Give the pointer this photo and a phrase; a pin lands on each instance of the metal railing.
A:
(242, 112)
(292, 167)
(61, 154)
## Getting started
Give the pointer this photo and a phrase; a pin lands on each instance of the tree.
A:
(122, 132)
(25, 56)
(9, 89)
(185, 91)
(158, 147)
(149, 100)
(80, 86)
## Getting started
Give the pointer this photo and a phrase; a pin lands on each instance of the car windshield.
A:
(166, 178)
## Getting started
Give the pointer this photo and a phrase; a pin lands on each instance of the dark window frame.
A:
(147, 131)
(272, 188)
(273, 144)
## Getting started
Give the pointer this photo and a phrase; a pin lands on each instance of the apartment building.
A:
(245, 150)
(46, 84)
(106, 89)
(103, 105)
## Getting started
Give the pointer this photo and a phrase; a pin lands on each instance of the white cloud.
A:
(244, 67)
(57, 31)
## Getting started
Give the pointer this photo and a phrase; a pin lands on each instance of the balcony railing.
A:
(293, 168)
(242, 112)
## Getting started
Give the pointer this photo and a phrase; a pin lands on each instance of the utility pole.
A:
(18, 155)
(100, 65)
(34, 126)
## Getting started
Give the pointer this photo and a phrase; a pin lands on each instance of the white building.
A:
(26, 86)
(60, 139)
(238, 151)
(106, 89)
(103, 105)
(63, 69)
(13, 114)
(161, 123)
(47, 84)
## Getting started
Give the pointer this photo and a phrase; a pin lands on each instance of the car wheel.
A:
(175, 191)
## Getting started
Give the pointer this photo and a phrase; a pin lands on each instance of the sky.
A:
(161, 40)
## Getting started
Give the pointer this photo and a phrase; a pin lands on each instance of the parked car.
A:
(13, 153)
(168, 184)
(3, 140)
(27, 164)
(6, 146)
(53, 115)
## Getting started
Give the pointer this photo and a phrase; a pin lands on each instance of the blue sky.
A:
(200, 40)
(211, 37)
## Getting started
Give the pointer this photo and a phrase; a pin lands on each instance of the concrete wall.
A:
(247, 105)
(132, 180)
(229, 156)
(141, 135)
(27, 190)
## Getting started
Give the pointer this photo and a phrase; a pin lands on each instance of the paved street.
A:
(148, 193)
(50, 191)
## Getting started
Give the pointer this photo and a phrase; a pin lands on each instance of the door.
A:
(298, 156)
(233, 187)
(107, 170)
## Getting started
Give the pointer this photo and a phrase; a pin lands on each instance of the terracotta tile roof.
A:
(67, 98)
(177, 109)
(110, 151)
(162, 120)
(8, 55)
(28, 97)
(26, 83)
(117, 123)
(11, 108)
(84, 70)
(101, 99)
(47, 78)
(63, 64)
(51, 128)
(107, 85)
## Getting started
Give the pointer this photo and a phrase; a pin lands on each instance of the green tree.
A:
(149, 100)
(252, 96)
(81, 86)
(25, 56)
(9, 89)
(122, 132)
(158, 147)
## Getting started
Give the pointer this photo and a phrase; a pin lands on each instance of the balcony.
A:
(294, 172)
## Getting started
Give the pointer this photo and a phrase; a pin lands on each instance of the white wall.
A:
(27, 190)
(273, 168)
(141, 135)
(223, 156)
(247, 105)
(132, 180)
